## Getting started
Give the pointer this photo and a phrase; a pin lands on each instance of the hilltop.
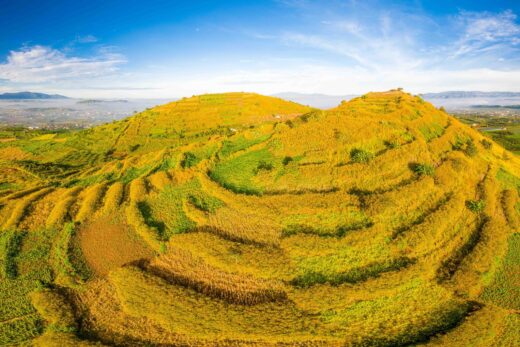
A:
(30, 95)
(240, 219)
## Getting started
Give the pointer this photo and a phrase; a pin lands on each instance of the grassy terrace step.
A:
(91, 200)
(12, 242)
(61, 210)
(22, 206)
(422, 217)
(113, 197)
(178, 307)
(181, 267)
(340, 231)
(67, 261)
(505, 289)
(19, 194)
(450, 265)
(352, 276)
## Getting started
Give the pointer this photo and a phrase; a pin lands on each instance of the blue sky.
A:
(153, 49)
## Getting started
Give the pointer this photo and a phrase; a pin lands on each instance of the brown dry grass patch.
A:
(182, 268)
(108, 243)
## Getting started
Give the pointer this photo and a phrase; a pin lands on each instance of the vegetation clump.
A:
(359, 155)
(476, 206)
(486, 144)
(264, 165)
(467, 146)
(189, 160)
(68, 265)
(287, 160)
(423, 169)
(12, 248)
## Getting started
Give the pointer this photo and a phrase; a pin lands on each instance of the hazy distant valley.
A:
(69, 113)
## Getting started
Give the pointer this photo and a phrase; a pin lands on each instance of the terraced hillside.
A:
(244, 220)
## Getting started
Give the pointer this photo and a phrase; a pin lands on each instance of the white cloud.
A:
(352, 80)
(484, 32)
(40, 64)
(348, 26)
(490, 27)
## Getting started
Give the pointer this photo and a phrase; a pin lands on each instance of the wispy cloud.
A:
(86, 39)
(40, 64)
(488, 27)
(349, 26)
(484, 33)
(327, 44)
(378, 46)
(392, 40)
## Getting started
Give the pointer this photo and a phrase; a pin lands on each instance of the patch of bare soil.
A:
(108, 243)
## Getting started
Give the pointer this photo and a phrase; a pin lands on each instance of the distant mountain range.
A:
(312, 99)
(450, 99)
(513, 107)
(98, 101)
(30, 95)
(469, 94)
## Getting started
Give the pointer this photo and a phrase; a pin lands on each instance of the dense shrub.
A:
(189, 160)
(471, 149)
(423, 169)
(392, 143)
(476, 206)
(12, 249)
(467, 146)
(264, 165)
(205, 203)
(486, 144)
(358, 155)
